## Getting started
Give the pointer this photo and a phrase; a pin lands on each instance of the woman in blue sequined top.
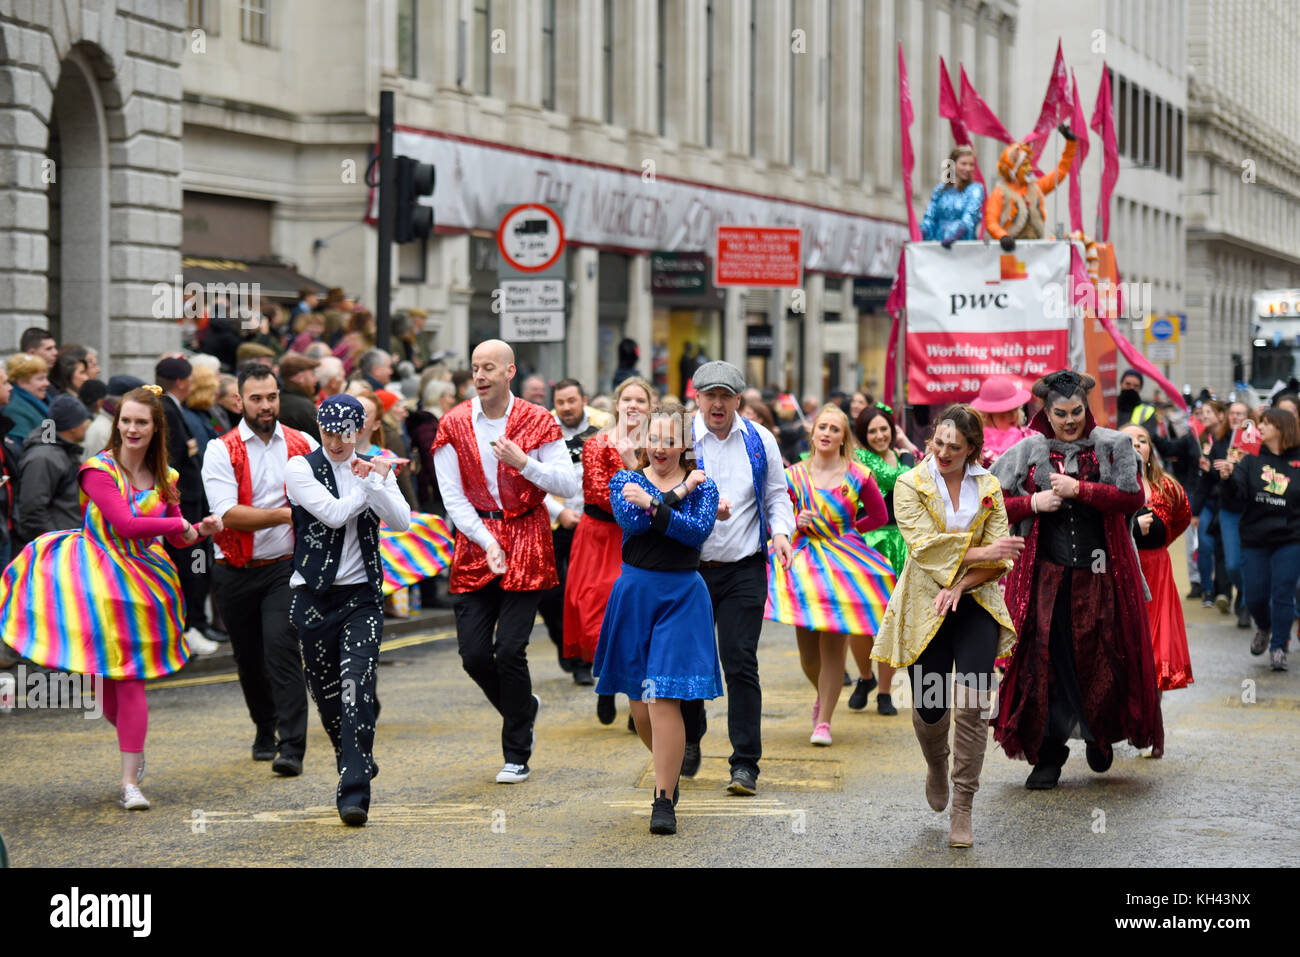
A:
(956, 209)
(656, 640)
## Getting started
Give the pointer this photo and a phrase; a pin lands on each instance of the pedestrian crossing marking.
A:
(779, 774)
(714, 807)
(392, 814)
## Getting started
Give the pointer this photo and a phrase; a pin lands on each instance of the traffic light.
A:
(414, 220)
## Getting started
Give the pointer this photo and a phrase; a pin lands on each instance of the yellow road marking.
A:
(393, 644)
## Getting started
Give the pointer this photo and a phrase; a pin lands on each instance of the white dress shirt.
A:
(726, 461)
(266, 470)
(557, 504)
(355, 496)
(958, 519)
(548, 468)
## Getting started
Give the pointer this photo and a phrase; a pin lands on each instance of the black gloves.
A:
(1064, 130)
(1008, 243)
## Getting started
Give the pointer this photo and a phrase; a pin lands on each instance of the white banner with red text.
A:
(974, 311)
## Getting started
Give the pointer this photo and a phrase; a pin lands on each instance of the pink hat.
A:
(1000, 394)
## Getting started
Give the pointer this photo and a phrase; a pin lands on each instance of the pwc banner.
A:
(974, 311)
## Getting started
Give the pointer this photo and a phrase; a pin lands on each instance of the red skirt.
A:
(1165, 610)
(594, 563)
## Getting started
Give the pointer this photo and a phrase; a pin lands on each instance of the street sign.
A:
(532, 326)
(530, 238)
(1162, 329)
(1162, 351)
(678, 274)
(759, 257)
(532, 295)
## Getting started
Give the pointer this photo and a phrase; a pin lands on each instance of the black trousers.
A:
(738, 592)
(966, 641)
(254, 603)
(1065, 714)
(195, 585)
(492, 629)
(551, 605)
(339, 633)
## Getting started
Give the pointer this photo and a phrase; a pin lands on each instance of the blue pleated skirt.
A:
(657, 640)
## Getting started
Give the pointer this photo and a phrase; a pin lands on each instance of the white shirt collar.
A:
(737, 423)
(247, 434)
(476, 407)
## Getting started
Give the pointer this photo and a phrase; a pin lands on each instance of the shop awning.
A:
(275, 278)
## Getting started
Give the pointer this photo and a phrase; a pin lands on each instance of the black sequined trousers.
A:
(340, 633)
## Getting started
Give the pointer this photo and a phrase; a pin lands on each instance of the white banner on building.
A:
(614, 207)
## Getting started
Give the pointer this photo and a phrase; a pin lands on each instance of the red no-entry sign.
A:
(758, 256)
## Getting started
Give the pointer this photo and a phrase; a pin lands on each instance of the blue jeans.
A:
(1271, 575)
(1205, 553)
(1232, 557)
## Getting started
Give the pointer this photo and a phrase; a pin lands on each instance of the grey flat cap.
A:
(718, 375)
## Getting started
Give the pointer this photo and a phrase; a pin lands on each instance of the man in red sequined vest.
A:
(243, 476)
(497, 457)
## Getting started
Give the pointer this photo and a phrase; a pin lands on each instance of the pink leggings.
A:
(126, 709)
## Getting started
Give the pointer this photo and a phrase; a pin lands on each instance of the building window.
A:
(407, 27)
(253, 17)
(1169, 139)
(661, 66)
(196, 13)
(1120, 91)
(607, 55)
(1178, 146)
(1134, 112)
(708, 73)
(1148, 132)
(548, 54)
(753, 79)
(1157, 132)
(483, 34)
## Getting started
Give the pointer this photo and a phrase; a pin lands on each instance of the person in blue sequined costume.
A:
(956, 209)
(656, 640)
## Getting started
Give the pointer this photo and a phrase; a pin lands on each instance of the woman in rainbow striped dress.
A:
(106, 599)
(836, 585)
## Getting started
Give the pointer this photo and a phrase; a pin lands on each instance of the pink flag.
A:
(1103, 122)
(1081, 283)
(894, 306)
(1056, 106)
(909, 159)
(977, 115)
(1079, 125)
(949, 108)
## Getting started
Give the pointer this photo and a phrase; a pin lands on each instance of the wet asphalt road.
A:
(1223, 795)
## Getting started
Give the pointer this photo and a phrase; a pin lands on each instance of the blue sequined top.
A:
(670, 541)
(953, 215)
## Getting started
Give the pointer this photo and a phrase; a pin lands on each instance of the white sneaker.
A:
(199, 645)
(132, 799)
(513, 774)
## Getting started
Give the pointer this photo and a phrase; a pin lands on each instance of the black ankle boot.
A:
(1051, 758)
(663, 820)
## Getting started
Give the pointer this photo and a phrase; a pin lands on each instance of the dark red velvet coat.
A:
(1112, 643)
(525, 532)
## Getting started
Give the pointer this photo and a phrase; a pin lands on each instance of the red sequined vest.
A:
(525, 532)
(237, 545)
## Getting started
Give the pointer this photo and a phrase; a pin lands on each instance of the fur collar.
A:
(1115, 455)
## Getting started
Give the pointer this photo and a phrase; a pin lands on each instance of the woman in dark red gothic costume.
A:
(1083, 666)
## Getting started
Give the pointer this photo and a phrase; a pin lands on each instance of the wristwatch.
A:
(655, 502)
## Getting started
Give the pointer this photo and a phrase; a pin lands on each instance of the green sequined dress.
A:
(887, 539)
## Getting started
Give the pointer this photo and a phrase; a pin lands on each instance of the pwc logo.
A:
(1011, 267)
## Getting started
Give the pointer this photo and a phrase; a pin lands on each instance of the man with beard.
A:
(244, 475)
(578, 422)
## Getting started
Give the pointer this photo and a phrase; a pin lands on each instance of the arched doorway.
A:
(76, 173)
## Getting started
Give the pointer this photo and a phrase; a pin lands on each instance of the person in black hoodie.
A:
(1267, 488)
(1206, 501)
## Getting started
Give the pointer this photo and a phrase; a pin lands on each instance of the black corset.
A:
(1072, 535)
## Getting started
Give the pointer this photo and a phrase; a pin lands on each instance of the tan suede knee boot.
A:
(934, 745)
(969, 741)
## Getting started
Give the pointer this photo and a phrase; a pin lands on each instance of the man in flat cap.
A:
(173, 374)
(745, 463)
(338, 499)
(298, 393)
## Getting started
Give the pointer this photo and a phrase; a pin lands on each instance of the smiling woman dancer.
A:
(950, 511)
(656, 642)
(105, 599)
(836, 585)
